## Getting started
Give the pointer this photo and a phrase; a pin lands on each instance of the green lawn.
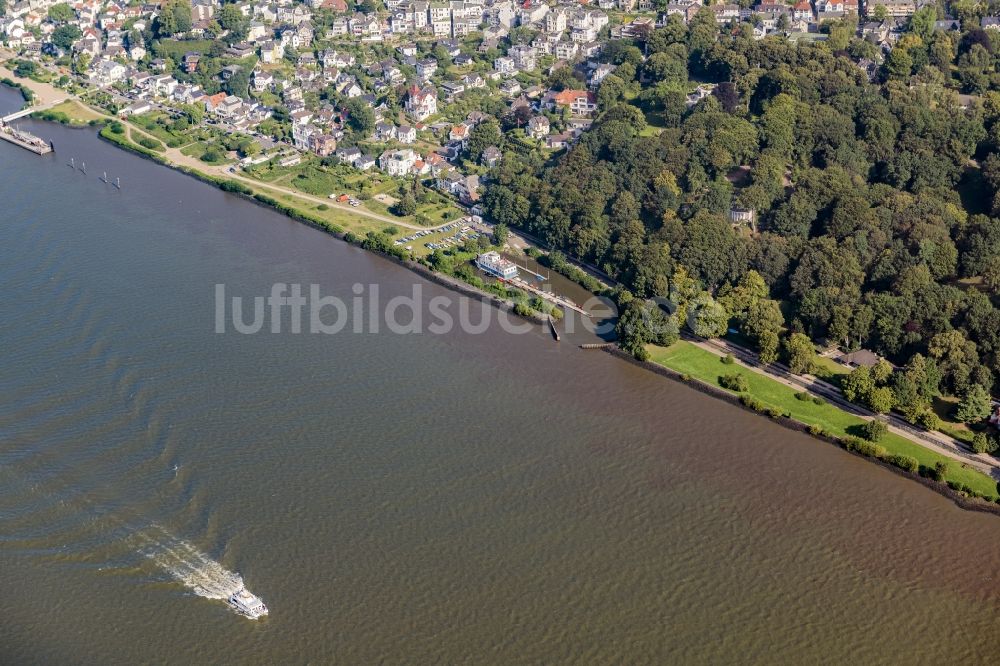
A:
(195, 149)
(158, 124)
(686, 358)
(316, 181)
(943, 406)
(313, 178)
(829, 370)
(76, 113)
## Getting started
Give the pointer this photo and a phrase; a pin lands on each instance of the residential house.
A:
(829, 9)
(466, 188)
(743, 216)
(464, 26)
(460, 133)
(511, 88)
(322, 144)
(599, 73)
(337, 28)
(426, 69)
(949, 25)
(229, 106)
(505, 65)
(436, 163)
(802, 11)
(135, 109)
(556, 20)
(301, 135)
(893, 8)
(700, 93)
(262, 80)
(725, 13)
(398, 162)
(349, 155)
(523, 56)
(473, 80)
(567, 50)
(384, 132)
(558, 141)
(164, 85)
(108, 72)
(579, 102)
(421, 103)
(452, 89)
(332, 58)
(491, 156)
(271, 51)
(406, 134)
(538, 127)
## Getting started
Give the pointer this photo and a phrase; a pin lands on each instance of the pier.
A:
(24, 139)
(552, 327)
(538, 276)
(6, 120)
(546, 295)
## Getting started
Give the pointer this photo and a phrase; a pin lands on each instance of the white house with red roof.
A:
(803, 11)
(421, 103)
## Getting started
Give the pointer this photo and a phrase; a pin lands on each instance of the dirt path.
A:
(48, 95)
(934, 441)
(175, 156)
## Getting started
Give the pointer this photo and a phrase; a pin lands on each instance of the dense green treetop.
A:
(875, 203)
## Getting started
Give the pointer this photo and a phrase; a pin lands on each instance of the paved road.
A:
(934, 441)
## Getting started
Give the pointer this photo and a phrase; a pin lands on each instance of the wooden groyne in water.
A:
(24, 139)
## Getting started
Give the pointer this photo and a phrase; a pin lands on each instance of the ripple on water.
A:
(420, 499)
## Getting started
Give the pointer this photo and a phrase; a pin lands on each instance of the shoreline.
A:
(450, 282)
(960, 500)
(237, 189)
(234, 186)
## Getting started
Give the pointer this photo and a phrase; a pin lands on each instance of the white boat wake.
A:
(189, 566)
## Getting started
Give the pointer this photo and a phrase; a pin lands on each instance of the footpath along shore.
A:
(218, 174)
(174, 158)
(935, 441)
(47, 96)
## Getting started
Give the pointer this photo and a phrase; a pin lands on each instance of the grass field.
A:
(76, 112)
(334, 214)
(686, 358)
(158, 124)
(829, 370)
(321, 181)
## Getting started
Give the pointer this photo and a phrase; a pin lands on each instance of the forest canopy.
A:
(875, 199)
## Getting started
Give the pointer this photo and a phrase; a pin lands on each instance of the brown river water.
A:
(424, 498)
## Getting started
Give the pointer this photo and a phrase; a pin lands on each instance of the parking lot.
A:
(464, 233)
